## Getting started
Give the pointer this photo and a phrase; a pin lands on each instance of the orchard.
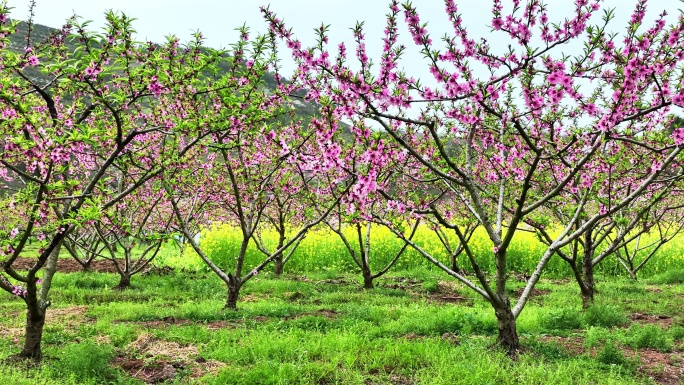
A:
(174, 213)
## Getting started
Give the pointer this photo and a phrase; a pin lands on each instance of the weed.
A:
(431, 286)
(85, 360)
(561, 319)
(594, 336)
(677, 333)
(605, 316)
(611, 355)
(648, 336)
(670, 277)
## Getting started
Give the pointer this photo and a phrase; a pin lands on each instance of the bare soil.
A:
(400, 283)
(67, 265)
(661, 320)
(154, 361)
(663, 368)
(450, 298)
(534, 293)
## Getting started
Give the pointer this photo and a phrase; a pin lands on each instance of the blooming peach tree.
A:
(65, 136)
(507, 131)
(251, 151)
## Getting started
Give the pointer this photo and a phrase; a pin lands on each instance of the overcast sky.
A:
(217, 19)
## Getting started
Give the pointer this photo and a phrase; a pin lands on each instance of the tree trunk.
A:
(36, 305)
(87, 266)
(278, 261)
(454, 265)
(587, 289)
(588, 277)
(124, 282)
(233, 293)
(633, 274)
(508, 333)
(368, 280)
(35, 320)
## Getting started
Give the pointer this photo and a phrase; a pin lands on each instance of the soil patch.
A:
(203, 367)
(69, 317)
(166, 321)
(534, 293)
(218, 325)
(149, 345)
(661, 320)
(400, 379)
(664, 368)
(335, 281)
(234, 323)
(154, 270)
(452, 338)
(252, 298)
(292, 296)
(448, 286)
(299, 278)
(449, 298)
(54, 314)
(150, 372)
(157, 361)
(14, 334)
(412, 336)
(402, 283)
(573, 345)
(327, 313)
(211, 325)
(67, 265)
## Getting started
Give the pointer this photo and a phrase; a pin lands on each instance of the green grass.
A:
(312, 331)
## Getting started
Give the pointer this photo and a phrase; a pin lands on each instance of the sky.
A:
(217, 19)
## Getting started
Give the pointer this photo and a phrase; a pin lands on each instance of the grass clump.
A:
(611, 355)
(648, 336)
(561, 319)
(670, 277)
(86, 361)
(677, 333)
(606, 316)
(595, 336)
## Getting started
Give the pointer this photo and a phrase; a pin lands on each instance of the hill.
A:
(305, 110)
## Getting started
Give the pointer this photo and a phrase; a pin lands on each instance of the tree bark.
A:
(368, 280)
(87, 266)
(124, 282)
(35, 321)
(588, 271)
(633, 274)
(508, 333)
(587, 289)
(233, 294)
(36, 306)
(454, 264)
(278, 262)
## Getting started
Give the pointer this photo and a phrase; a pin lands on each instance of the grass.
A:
(323, 329)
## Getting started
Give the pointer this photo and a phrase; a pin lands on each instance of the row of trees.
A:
(524, 138)
(120, 144)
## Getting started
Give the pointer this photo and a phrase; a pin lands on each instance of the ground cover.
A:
(415, 327)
